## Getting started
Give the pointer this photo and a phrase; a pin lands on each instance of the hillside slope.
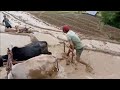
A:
(87, 25)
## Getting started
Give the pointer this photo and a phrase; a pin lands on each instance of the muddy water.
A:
(105, 66)
(3, 72)
(101, 45)
(16, 40)
(46, 37)
(57, 50)
(2, 28)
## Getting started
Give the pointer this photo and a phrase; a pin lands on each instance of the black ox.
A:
(24, 53)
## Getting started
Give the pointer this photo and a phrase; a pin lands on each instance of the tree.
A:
(111, 18)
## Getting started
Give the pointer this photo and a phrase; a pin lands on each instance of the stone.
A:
(39, 67)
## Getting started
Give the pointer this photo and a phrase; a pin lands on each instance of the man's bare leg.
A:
(67, 61)
(68, 52)
(88, 67)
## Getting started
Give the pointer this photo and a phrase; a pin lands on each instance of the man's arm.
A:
(71, 47)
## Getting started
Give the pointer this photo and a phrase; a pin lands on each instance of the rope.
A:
(57, 65)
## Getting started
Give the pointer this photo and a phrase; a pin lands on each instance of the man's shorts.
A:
(8, 26)
(79, 52)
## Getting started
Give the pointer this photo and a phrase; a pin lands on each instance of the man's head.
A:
(66, 28)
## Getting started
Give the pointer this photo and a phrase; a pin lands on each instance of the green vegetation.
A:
(111, 18)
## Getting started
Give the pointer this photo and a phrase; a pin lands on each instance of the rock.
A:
(39, 67)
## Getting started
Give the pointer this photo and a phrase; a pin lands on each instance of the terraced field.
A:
(85, 24)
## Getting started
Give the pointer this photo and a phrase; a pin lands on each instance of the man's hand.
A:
(71, 50)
